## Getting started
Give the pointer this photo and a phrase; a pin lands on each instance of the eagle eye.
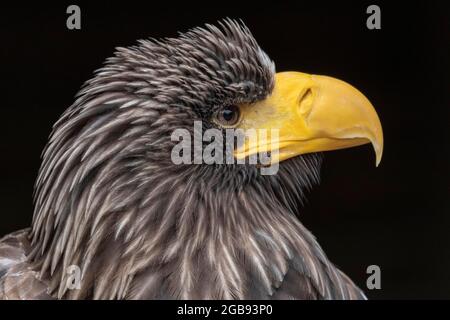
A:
(228, 116)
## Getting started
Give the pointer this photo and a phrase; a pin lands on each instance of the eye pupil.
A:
(228, 114)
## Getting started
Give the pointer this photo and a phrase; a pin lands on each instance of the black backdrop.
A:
(396, 216)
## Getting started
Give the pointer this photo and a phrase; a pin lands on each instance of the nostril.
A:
(306, 102)
(306, 95)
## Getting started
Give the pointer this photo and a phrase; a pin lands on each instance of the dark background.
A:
(396, 216)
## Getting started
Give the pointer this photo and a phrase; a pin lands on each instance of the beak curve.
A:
(310, 113)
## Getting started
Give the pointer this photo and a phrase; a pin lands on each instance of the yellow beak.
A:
(310, 113)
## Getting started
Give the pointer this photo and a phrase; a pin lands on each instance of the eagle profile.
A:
(109, 200)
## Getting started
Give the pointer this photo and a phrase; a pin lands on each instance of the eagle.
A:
(110, 203)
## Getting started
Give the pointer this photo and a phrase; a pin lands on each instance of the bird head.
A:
(221, 78)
